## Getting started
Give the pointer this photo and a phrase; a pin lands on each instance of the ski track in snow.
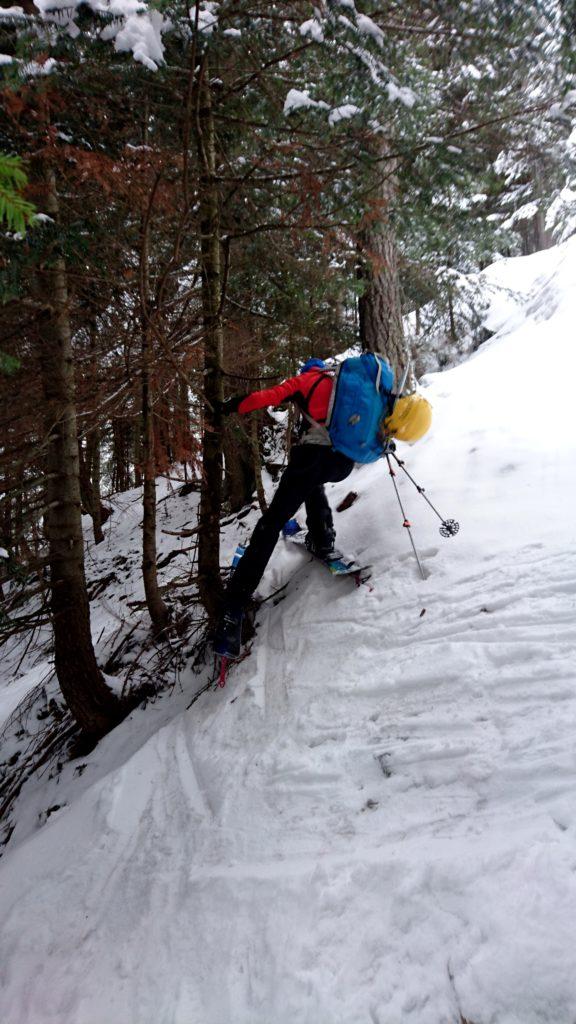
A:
(374, 823)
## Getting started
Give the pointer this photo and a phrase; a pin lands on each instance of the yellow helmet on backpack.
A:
(410, 419)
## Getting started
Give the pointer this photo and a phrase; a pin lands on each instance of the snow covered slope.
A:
(375, 823)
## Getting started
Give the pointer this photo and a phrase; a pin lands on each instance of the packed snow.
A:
(375, 820)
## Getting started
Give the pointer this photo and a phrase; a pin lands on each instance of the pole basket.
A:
(449, 528)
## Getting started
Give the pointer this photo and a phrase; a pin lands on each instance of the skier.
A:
(313, 462)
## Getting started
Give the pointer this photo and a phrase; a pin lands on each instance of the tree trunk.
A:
(451, 318)
(543, 239)
(380, 307)
(86, 496)
(89, 486)
(239, 478)
(137, 435)
(156, 607)
(92, 703)
(209, 580)
(93, 449)
(157, 610)
(121, 444)
(7, 531)
(257, 464)
(99, 514)
(183, 431)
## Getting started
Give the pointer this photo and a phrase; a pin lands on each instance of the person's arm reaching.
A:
(261, 399)
(270, 396)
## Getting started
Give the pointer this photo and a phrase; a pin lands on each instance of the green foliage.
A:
(15, 211)
(8, 364)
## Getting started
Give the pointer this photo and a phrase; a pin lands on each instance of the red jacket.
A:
(299, 389)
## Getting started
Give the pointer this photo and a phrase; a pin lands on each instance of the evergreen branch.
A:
(15, 211)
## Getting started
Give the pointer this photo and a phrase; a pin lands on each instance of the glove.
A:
(388, 447)
(230, 405)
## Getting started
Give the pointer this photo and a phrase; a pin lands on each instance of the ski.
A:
(338, 564)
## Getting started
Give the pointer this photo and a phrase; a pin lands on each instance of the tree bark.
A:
(93, 450)
(183, 430)
(89, 468)
(92, 703)
(156, 608)
(136, 447)
(121, 451)
(239, 480)
(257, 465)
(380, 307)
(99, 513)
(209, 580)
(451, 318)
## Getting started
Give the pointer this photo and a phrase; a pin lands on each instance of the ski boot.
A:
(324, 550)
(228, 635)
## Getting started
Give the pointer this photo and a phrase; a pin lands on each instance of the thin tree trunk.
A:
(157, 609)
(93, 449)
(86, 496)
(7, 532)
(6, 526)
(92, 703)
(183, 427)
(121, 441)
(543, 238)
(93, 460)
(451, 317)
(380, 307)
(257, 464)
(90, 482)
(137, 434)
(209, 580)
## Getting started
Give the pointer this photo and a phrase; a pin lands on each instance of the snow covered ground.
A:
(375, 823)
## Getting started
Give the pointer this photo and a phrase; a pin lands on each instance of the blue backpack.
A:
(361, 398)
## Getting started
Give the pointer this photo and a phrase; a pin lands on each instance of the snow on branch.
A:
(313, 30)
(342, 113)
(367, 27)
(134, 26)
(140, 34)
(207, 17)
(301, 100)
(12, 12)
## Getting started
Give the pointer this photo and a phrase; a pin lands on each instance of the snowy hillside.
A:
(375, 822)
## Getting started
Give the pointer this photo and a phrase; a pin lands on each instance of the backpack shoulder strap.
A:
(308, 398)
(305, 406)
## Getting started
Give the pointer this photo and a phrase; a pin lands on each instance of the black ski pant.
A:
(302, 482)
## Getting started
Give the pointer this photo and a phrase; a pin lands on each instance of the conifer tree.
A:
(249, 183)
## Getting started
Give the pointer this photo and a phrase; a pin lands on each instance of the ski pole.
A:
(449, 527)
(406, 522)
